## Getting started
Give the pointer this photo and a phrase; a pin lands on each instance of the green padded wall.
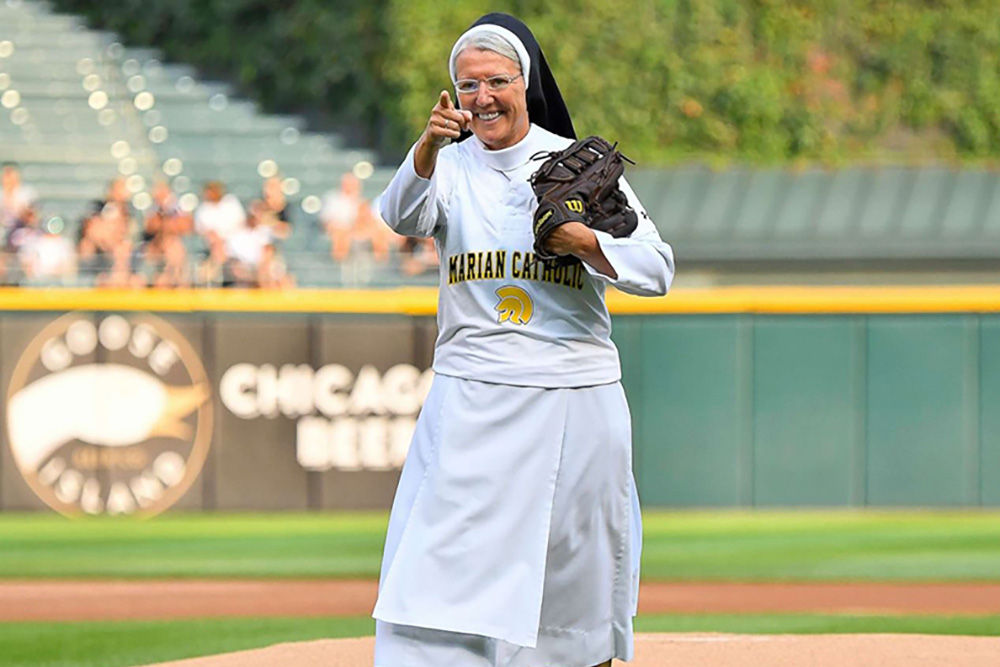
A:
(920, 447)
(805, 410)
(833, 410)
(691, 417)
(989, 410)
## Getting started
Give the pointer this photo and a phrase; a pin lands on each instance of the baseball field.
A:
(106, 593)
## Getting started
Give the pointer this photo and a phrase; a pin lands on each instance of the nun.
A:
(515, 532)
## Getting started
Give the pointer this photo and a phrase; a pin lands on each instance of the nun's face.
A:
(499, 117)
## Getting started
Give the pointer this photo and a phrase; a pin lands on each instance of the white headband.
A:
(522, 53)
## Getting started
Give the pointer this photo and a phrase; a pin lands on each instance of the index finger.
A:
(445, 100)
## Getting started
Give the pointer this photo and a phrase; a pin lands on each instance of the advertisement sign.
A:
(122, 414)
(111, 415)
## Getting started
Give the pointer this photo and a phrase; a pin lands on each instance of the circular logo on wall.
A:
(109, 415)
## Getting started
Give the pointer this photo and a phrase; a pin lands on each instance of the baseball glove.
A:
(580, 184)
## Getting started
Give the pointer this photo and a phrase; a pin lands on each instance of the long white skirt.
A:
(515, 533)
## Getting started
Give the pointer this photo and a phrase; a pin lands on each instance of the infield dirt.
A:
(133, 600)
(122, 600)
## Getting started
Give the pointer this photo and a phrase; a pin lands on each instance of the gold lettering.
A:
(541, 220)
(472, 266)
(452, 270)
(488, 269)
(501, 264)
(515, 272)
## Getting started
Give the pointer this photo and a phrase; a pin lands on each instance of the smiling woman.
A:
(499, 114)
(499, 108)
(515, 533)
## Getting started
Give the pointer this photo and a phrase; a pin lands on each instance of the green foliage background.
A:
(759, 81)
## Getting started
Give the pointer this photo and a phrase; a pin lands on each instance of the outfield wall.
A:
(764, 410)
(138, 402)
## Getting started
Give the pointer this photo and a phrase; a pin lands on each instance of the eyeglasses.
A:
(494, 83)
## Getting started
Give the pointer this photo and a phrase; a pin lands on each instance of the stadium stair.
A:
(79, 108)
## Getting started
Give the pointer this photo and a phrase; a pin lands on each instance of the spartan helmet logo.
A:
(514, 305)
(109, 415)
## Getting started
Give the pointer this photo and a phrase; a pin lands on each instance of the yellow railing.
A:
(423, 300)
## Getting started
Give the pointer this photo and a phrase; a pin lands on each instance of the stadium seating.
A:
(79, 108)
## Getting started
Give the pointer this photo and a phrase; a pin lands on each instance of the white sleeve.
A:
(416, 206)
(643, 262)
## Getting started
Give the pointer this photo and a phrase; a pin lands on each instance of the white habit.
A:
(515, 535)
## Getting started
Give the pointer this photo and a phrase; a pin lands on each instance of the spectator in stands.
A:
(106, 248)
(48, 257)
(25, 228)
(219, 214)
(124, 270)
(15, 197)
(23, 232)
(370, 229)
(418, 256)
(165, 216)
(272, 273)
(118, 203)
(175, 271)
(17, 209)
(244, 249)
(90, 243)
(215, 270)
(358, 236)
(272, 210)
(101, 232)
(339, 215)
(163, 251)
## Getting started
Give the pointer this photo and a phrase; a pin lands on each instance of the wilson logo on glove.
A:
(580, 184)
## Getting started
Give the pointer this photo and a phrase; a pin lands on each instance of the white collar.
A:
(506, 159)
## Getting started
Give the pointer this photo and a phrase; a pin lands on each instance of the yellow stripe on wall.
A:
(815, 300)
(423, 300)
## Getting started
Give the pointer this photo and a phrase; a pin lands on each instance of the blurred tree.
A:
(758, 81)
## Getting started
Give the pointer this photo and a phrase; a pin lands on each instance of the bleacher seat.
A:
(81, 91)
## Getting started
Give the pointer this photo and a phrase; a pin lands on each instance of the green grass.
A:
(125, 643)
(836, 545)
(798, 624)
(745, 546)
(128, 643)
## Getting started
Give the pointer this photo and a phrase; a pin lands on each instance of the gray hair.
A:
(486, 41)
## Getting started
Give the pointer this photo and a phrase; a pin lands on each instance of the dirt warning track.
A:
(124, 600)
